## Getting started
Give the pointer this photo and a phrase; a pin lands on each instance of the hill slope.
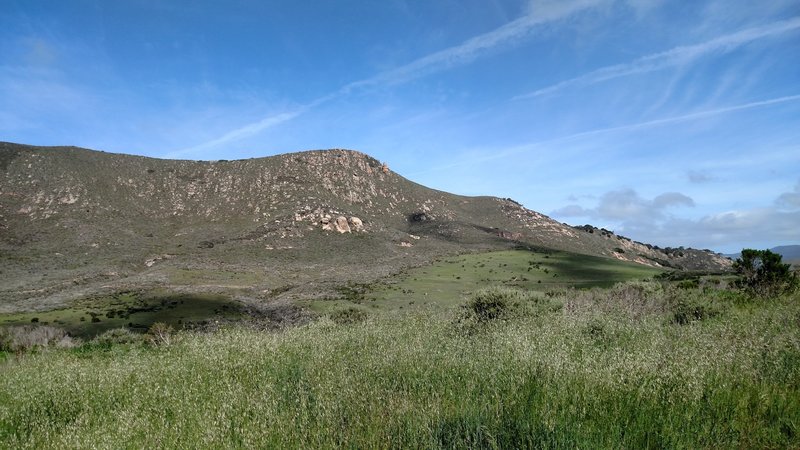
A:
(76, 222)
(790, 253)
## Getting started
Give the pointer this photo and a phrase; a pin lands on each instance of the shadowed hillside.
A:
(76, 222)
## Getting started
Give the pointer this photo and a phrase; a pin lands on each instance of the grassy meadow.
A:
(134, 310)
(637, 365)
(448, 282)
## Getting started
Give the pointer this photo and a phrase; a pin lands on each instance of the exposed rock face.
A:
(509, 235)
(420, 216)
(341, 225)
(356, 224)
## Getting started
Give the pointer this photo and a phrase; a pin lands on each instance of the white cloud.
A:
(677, 56)
(647, 221)
(672, 199)
(733, 230)
(626, 205)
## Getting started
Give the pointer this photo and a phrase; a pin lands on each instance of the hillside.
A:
(790, 253)
(77, 222)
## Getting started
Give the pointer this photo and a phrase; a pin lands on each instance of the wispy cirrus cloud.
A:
(539, 13)
(486, 156)
(245, 131)
(677, 56)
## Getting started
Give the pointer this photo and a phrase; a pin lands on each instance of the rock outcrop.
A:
(356, 224)
(341, 225)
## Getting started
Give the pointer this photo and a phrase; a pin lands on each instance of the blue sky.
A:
(670, 122)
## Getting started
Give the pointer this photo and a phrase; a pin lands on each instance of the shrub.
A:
(493, 303)
(117, 336)
(160, 334)
(20, 339)
(595, 328)
(763, 274)
(348, 316)
(687, 309)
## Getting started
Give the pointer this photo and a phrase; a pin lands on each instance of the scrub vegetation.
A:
(137, 311)
(643, 364)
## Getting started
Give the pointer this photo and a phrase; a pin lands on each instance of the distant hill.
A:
(790, 253)
(77, 222)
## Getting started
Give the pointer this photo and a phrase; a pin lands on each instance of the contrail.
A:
(670, 58)
(634, 126)
(460, 54)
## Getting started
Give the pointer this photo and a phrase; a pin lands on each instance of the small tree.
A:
(763, 274)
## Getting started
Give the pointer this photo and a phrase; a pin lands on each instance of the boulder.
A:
(341, 225)
(326, 223)
(356, 224)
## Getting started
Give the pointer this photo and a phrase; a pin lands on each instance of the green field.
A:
(639, 365)
(441, 286)
(449, 281)
(137, 311)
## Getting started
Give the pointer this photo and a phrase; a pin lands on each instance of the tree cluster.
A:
(763, 274)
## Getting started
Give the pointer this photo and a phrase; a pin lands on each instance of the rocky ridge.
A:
(74, 221)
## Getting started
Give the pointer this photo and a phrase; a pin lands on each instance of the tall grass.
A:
(599, 372)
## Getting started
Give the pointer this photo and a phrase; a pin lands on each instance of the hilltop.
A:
(77, 222)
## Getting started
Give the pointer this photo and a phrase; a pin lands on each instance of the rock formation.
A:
(356, 224)
(341, 225)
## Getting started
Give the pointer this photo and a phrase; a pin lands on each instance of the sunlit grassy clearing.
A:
(450, 281)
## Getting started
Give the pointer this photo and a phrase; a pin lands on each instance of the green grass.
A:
(448, 282)
(90, 317)
(608, 369)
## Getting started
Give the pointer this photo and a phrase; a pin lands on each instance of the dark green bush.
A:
(117, 336)
(348, 316)
(763, 274)
(493, 303)
(687, 309)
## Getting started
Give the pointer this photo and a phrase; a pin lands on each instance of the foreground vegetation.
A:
(640, 365)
